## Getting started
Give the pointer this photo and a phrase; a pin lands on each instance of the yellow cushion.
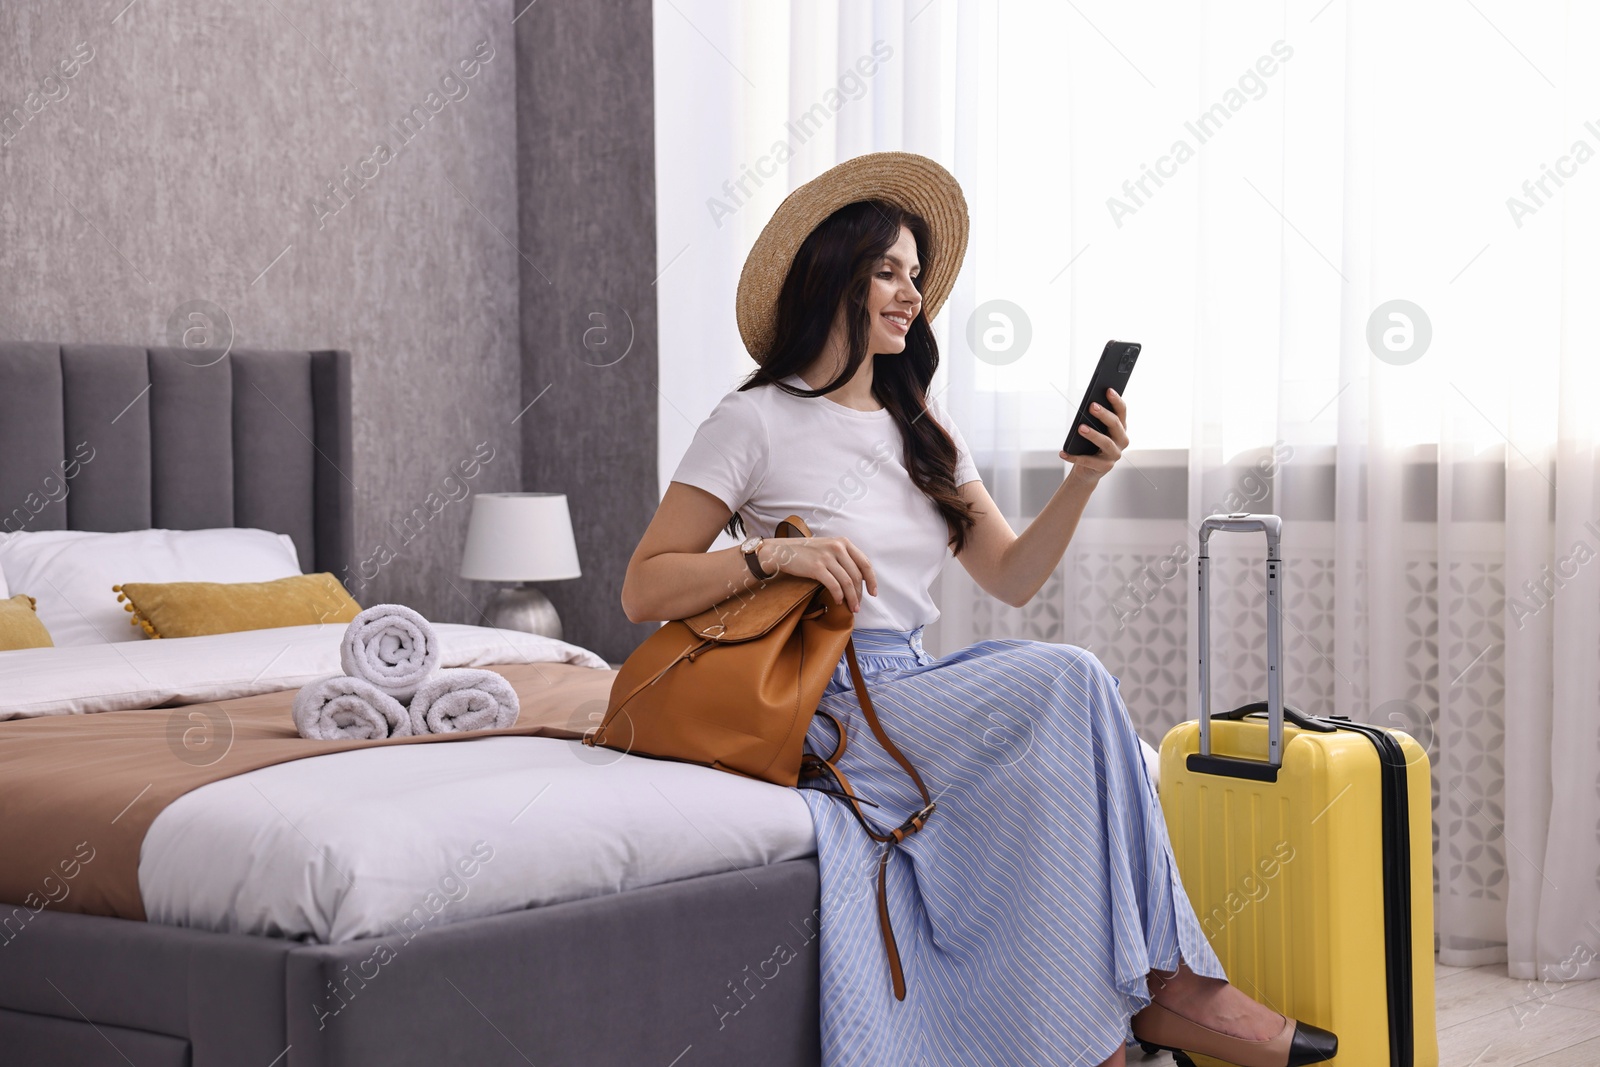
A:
(195, 609)
(20, 627)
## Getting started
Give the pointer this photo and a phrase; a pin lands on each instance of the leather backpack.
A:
(735, 688)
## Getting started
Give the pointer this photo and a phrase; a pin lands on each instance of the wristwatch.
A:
(749, 548)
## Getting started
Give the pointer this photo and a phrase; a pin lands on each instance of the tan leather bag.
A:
(735, 688)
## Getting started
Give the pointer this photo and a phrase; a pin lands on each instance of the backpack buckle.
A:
(917, 821)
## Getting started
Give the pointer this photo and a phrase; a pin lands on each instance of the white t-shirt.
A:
(768, 455)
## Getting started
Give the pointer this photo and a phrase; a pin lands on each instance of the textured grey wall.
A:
(586, 131)
(188, 157)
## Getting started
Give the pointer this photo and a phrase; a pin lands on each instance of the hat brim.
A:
(914, 182)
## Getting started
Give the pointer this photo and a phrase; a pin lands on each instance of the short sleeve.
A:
(728, 456)
(966, 470)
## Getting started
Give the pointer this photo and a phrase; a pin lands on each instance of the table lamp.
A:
(521, 537)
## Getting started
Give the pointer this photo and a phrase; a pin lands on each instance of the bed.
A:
(624, 916)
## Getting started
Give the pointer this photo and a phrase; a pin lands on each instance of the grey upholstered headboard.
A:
(175, 441)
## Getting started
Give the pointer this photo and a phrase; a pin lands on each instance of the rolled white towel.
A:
(392, 647)
(463, 698)
(342, 708)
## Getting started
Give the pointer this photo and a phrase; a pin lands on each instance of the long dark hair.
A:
(834, 266)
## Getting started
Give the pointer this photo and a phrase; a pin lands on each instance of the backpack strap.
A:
(813, 765)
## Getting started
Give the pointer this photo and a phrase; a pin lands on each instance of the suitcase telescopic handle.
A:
(1272, 527)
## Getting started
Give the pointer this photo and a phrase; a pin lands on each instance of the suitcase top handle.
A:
(1243, 522)
(1272, 527)
(1290, 714)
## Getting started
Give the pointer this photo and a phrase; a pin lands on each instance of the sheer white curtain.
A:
(1358, 242)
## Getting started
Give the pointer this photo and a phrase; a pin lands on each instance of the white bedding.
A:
(188, 670)
(397, 839)
(368, 842)
(71, 572)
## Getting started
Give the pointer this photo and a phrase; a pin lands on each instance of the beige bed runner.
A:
(78, 792)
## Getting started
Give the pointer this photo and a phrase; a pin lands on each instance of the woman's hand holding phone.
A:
(1113, 412)
(1097, 442)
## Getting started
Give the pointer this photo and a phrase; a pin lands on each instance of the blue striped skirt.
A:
(1041, 892)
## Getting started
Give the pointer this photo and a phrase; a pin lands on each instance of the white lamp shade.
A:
(520, 537)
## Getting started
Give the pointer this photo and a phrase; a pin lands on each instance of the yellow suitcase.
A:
(1306, 849)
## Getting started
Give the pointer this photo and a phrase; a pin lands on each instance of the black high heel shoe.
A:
(1296, 1045)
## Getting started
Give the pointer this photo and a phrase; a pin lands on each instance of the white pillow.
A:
(5, 591)
(71, 572)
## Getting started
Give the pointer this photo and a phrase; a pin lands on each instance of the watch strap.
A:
(755, 564)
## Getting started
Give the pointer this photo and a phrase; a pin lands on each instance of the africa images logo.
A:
(1537, 192)
(1205, 126)
(852, 84)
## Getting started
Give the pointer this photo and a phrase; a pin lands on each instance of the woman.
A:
(1040, 907)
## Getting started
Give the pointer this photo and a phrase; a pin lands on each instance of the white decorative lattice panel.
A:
(1124, 593)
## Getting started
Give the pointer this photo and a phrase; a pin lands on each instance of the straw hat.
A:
(915, 183)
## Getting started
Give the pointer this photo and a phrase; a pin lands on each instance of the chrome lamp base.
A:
(525, 608)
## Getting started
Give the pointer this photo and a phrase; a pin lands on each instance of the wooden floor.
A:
(1489, 1020)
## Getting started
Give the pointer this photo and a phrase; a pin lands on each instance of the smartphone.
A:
(1112, 372)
